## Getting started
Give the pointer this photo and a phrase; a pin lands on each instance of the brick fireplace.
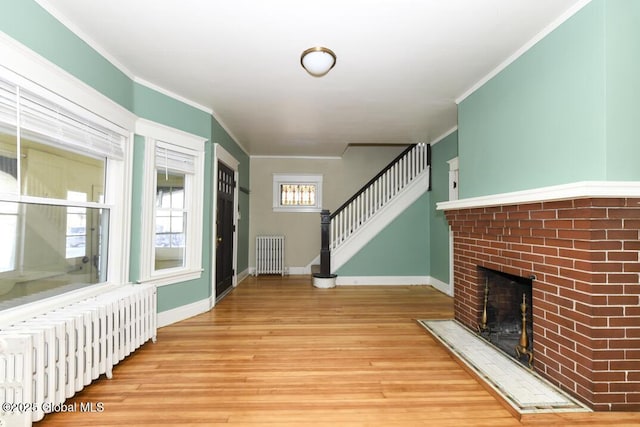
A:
(583, 253)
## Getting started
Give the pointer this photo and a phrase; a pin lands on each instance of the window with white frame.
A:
(55, 218)
(174, 182)
(297, 192)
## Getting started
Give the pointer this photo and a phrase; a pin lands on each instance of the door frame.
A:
(454, 185)
(222, 155)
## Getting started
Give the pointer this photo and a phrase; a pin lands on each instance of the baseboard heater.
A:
(269, 255)
(46, 359)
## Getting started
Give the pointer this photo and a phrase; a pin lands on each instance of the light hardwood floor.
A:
(279, 352)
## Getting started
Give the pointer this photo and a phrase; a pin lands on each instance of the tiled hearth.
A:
(583, 253)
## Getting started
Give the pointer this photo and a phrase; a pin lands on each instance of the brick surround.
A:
(584, 254)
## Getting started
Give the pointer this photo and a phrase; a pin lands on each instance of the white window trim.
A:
(62, 89)
(183, 141)
(288, 178)
(37, 72)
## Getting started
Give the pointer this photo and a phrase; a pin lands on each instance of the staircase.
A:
(345, 231)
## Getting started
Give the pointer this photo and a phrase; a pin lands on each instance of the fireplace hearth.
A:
(502, 320)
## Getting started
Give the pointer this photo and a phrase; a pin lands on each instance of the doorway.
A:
(225, 230)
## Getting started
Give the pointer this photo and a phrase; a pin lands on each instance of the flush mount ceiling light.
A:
(317, 61)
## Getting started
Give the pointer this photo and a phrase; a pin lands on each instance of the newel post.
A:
(324, 279)
(325, 253)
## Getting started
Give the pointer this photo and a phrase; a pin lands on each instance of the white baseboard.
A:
(315, 261)
(382, 280)
(443, 287)
(177, 314)
(244, 274)
(288, 271)
(395, 280)
(297, 271)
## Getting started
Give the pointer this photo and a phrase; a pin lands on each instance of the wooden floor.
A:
(279, 352)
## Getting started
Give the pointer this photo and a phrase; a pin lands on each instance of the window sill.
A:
(296, 209)
(173, 277)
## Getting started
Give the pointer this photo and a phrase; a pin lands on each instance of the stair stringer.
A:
(378, 222)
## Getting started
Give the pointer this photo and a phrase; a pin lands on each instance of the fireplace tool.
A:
(482, 327)
(522, 347)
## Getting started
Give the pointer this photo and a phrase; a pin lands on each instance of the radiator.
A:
(46, 359)
(269, 255)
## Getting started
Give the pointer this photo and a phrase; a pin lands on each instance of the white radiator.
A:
(48, 358)
(269, 255)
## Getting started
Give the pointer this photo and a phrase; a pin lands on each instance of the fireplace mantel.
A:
(577, 190)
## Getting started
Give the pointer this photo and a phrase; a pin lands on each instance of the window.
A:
(297, 193)
(174, 175)
(76, 226)
(171, 217)
(8, 214)
(55, 159)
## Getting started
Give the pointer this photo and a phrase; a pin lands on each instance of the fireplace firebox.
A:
(507, 312)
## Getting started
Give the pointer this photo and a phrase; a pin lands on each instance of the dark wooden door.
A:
(224, 230)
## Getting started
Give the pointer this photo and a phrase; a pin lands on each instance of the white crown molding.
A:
(577, 190)
(173, 95)
(20, 60)
(46, 5)
(297, 157)
(444, 135)
(193, 104)
(228, 131)
(542, 34)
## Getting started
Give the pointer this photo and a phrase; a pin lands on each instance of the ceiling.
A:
(401, 64)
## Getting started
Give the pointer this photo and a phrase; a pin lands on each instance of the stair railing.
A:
(371, 198)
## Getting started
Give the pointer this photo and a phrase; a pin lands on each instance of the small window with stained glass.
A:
(302, 193)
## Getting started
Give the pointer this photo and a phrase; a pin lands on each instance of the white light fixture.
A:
(317, 61)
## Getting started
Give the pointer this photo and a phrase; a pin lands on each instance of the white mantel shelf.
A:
(577, 190)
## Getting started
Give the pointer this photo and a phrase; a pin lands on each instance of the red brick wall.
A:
(586, 295)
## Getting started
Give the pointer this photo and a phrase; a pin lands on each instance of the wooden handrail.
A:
(372, 180)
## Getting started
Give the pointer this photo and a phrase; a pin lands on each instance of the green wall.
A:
(400, 249)
(622, 23)
(565, 111)
(540, 121)
(31, 25)
(441, 152)
(154, 106)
